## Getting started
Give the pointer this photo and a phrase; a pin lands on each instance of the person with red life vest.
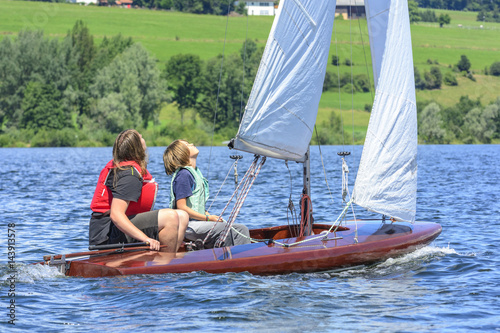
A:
(124, 198)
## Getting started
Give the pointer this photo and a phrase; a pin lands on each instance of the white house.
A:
(86, 2)
(259, 7)
(346, 8)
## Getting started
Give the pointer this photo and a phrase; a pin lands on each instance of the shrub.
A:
(463, 64)
(495, 68)
(450, 80)
(335, 60)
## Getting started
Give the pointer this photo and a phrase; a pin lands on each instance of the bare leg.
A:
(168, 229)
(183, 223)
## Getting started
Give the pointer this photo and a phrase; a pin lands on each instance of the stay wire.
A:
(323, 166)
(352, 73)
(218, 88)
(243, 78)
(338, 84)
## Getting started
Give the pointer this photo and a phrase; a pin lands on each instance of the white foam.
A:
(31, 273)
(423, 253)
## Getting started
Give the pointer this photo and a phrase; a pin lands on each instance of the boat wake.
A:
(394, 267)
(29, 273)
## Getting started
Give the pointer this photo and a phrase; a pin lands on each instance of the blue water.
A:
(453, 285)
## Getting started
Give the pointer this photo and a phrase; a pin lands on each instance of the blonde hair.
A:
(128, 147)
(176, 155)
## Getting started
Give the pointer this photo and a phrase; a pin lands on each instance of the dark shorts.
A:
(146, 222)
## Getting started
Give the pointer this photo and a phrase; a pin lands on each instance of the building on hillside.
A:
(86, 2)
(350, 8)
(346, 8)
(259, 7)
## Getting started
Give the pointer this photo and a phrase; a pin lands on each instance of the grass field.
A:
(165, 34)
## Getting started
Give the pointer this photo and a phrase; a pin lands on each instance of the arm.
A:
(193, 215)
(122, 222)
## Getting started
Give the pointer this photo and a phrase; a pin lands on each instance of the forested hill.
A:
(73, 75)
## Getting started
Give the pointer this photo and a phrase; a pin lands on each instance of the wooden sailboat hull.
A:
(376, 241)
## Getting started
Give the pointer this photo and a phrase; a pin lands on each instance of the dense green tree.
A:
(479, 125)
(434, 78)
(464, 64)
(183, 74)
(453, 117)
(428, 16)
(413, 11)
(241, 8)
(444, 19)
(109, 49)
(430, 124)
(42, 108)
(222, 103)
(362, 83)
(419, 83)
(128, 92)
(216, 7)
(335, 60)
(495, 68)
(31, 58)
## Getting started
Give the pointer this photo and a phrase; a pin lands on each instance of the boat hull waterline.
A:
(376, 241)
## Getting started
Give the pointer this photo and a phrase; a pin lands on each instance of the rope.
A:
(249, 180)
(252, 166)
(218, 88)
(306, 210)
(322, 235)
(291, 207)
(224, 182)
(323, 165)
(345, 180)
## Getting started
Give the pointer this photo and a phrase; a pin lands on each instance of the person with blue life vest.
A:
(189, 192)
(122, 205)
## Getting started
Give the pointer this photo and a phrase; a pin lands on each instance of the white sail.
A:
(377, 16)
(281, 111)
(387, 177)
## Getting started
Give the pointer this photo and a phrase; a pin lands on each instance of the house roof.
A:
(350, 2)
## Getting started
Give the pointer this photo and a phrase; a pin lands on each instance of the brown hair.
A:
(128, 147)
(176, 155)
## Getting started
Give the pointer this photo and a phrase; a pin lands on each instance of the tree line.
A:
(71, 91)
(470, 5)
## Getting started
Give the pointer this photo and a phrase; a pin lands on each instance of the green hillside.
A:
(165, 34)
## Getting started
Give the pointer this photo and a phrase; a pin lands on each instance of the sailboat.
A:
(278, 123)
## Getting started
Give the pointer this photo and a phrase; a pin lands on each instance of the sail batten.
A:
(386, 182)
(281, 111)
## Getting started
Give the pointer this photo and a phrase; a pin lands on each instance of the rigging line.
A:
(291, 207)
(352, 73)
(338, 83)
(364, 53)
(243, 78)
(238, 205)
(218, 89)
(323, 165)
(243, 181)
(222, 185)
(322, 235)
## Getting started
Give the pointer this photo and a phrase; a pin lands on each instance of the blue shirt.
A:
(183, 184)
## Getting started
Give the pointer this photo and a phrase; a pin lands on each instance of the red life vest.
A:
(101, 202)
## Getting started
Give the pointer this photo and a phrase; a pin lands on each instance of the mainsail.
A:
(387, 177)
(281, 111)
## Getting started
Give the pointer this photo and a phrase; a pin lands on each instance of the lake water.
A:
(453, 285)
